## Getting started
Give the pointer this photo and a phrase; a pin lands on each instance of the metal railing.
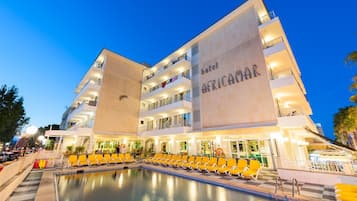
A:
(169, 81)
(265, 18)
(168, 101)
(336, 167)
(165, 126)
(295, 185)
(278, 185)
(271, 43)
(173, 62)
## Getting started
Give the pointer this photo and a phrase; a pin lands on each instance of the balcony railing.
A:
(168, 101)
(88, 84)
(271, 15)
(169, 124)
(271, 43)
(168, 82)
(173, 62)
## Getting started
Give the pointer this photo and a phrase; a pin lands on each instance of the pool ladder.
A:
(295, 186)
(278, 184)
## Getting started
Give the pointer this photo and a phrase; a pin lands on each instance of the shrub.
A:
(79, 149)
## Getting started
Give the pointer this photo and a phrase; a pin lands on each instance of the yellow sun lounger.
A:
(108, 159)
(116, 159)
(221, 163)
(225, 169)
(100, 159)
(241, 167)
(82, 160)
(164, 160)
(173, 161)
(346, 192)
(212, 162)
(253, 171)
(159, 159)
(189, 163)
(180, 162)
(72, 161)
(92, 160)
(128, 158)
(197, 162)
(149, 160)
(169, 160)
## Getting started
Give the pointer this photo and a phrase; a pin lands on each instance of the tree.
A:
(345, 125)
(12, 113)
(352, 59)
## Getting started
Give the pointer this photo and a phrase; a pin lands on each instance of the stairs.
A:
(27, 190)
(268, 174)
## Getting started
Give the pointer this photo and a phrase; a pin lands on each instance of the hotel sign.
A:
(234, 82)
(227, 80)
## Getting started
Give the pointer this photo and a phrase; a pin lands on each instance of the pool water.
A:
(142, 185)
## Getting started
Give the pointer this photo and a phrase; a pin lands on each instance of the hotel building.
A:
(236, 87)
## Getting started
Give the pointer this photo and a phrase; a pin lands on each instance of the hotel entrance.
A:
(252, 149)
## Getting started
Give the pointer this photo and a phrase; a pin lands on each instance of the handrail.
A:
(278, 184)
(295, 184)
(271, 43)
(163, 68)
(265, 18)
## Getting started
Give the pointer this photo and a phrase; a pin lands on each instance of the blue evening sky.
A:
(47, 46)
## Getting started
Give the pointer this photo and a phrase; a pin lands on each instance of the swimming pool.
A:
(142, 185)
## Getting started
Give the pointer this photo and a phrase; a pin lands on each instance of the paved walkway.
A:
(266, 182)
(27, 190)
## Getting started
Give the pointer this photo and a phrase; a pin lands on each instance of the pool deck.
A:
(266, 188)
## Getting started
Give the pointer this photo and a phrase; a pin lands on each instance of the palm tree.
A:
(345, 126)
(352, 59)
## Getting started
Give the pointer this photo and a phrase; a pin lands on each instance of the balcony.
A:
(82, 110)
(88, 89)
(183, 61)
(263, 20)
(182, 127)
(273, 46)
(296, 121)
(285, 78)
(169, 108)
(168, 87)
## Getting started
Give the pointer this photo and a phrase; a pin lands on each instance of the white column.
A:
(59, 144)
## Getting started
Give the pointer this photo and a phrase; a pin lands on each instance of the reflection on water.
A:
(141, 185)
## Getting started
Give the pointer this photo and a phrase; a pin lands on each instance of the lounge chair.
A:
(116, 159)
(169, 160)
(175, 159)
(221, 163)
(73, 160)
(100, 159)
(253, 171)
(241, 167)
(189, 163)
(108, 159)
(198, 162)
(165, 159)
(82, 160)
(149, 160)
(180, 162)
(128, 158)
(346, 192)
(92, 160)
(226, 168)
(159, 159)
(204, 165)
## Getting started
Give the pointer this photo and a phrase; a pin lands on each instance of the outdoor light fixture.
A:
(122, 97)
(31, 130)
